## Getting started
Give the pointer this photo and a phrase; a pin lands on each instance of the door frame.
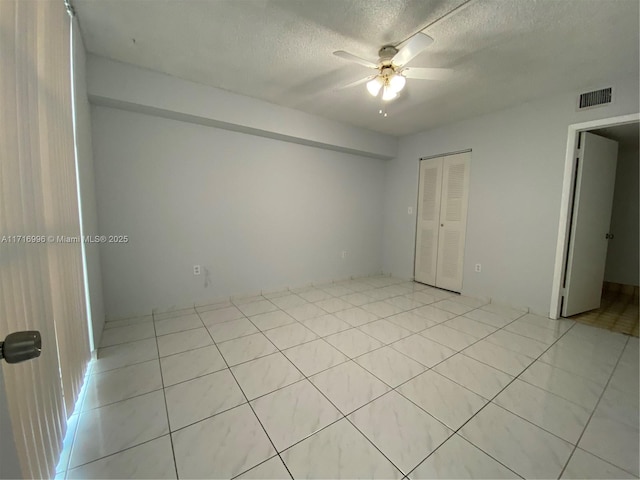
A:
(562, 246)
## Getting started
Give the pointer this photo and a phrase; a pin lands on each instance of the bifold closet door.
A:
(428, 220)
(442, 219)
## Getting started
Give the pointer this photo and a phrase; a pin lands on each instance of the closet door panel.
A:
(429, 193)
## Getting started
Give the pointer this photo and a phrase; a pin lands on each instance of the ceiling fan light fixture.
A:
(397, 82)
(374, 86)
(388, 93)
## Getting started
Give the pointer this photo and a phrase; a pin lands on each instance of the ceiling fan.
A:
(392, 72)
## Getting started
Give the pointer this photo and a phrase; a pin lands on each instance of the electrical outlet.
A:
(410, 211)
(344, 254)
(478, 267)
(196, 269)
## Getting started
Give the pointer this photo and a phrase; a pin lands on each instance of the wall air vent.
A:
(596, 98)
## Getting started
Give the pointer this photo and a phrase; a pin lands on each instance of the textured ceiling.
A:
(503, 52)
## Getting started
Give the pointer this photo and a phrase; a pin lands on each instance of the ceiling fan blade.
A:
(411, 48)
(357, 82)
(428, 73)
(352, 58)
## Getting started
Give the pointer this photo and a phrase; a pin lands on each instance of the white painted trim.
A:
(565, 202)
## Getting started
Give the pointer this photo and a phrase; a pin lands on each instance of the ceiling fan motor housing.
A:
(386, 54)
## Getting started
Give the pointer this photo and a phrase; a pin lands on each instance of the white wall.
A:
(87, 184)
(515, 189)
(9, 460)
(623, 262)
(256, 213)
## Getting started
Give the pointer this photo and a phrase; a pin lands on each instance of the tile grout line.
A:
(584, 429)
(491, 402)
(249, 404)
(166, 406)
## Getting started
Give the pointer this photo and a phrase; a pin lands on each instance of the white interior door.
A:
(593, 200)
(429, 191)
(453, 221)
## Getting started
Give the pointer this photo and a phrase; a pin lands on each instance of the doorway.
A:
(607, 258)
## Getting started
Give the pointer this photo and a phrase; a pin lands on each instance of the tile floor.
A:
(368, 378)
(618, 310)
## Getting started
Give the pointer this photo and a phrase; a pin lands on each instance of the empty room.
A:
(282, 239)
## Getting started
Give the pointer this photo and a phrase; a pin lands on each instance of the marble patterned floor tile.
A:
(357, 299)
(122, 383)
(560, 325)
(526, 329)
(315, 295)
(504, 310)
(390, 366)
(293, 413)
(447, 401)
(333, 305)
(581, 364)
(221, 315)
(255, 308)
(126, 322)
(172, 313)
(315, 356)
(423, 296)
(305, 312)
(470, 327)
(517, 343)
(215, 305)
(382, 309)
(291, 335)
(121, 425)
(269, 320)
(338, 290)
(411, 321)
(402, 431)
(385, 331)
(423, 350)
(191, 364)
(353, 343)
(474, 375)
(153, 459)
(434, 314)
(574, 388)
(521, 446)
(489, 318)
(379, 294)
(241, 327)
(245, 299)
(67, 444)
(450, 305)
(183, 341)
(356, 316)
(438, 293)
(456, 459)
(561, 417)
(191, 401)
(288, 301)
(266, 374)
(620, 406)
(621, 447)
(246, 348)
(178, 324)
(131, 333)
(583, 465)
(348, 386)
(277, 293)
(449, 337)
(472, 302)
(222, 446)
(272, 469)
(359, 287)
(338, 451)
(497, 357)
(405, 303)
(326, 325)
(124, 354)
